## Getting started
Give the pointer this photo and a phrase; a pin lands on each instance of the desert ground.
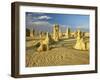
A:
(60, 53)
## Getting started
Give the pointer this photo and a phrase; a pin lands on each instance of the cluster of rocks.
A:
(56, 35)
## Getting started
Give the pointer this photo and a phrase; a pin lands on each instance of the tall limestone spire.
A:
(56, 32)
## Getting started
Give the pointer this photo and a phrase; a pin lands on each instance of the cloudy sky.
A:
(74, 21)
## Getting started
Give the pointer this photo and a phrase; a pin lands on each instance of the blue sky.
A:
(74, 21)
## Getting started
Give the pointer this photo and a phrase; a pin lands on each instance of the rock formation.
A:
(80, 43)
(60, 34)
(68, 33)
(32, 33)
(44, 43)
(56, 32)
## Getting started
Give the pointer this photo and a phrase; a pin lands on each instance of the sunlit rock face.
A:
(56, 32)
(80, 42)
(44, 43)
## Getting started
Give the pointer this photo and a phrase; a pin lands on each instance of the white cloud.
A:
(44, 17)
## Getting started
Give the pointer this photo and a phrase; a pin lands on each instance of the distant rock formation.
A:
(60, 34)
(32, 33)
(68, 33)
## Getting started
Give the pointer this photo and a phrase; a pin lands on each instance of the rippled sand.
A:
(57, 56)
